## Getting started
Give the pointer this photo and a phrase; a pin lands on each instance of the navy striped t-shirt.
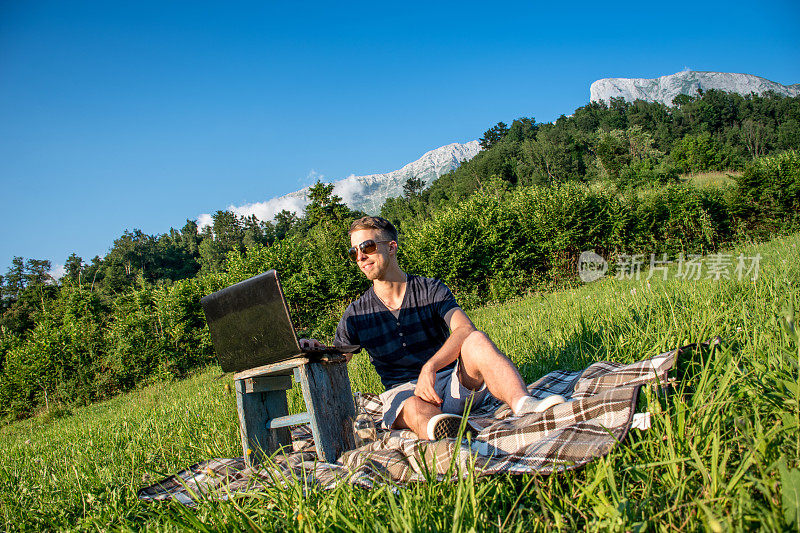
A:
(398, 347)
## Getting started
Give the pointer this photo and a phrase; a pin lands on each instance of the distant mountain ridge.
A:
(666, 88)
(366, 193)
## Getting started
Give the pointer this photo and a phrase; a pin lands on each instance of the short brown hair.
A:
(385, 227)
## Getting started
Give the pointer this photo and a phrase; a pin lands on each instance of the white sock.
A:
(517, 407)
(528, 404)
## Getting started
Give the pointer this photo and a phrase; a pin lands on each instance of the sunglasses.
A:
(367, 247)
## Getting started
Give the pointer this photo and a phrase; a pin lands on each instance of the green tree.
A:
(228, 229)
(398, 211)
(37, 272)
(15, 278)
(285, 223)
(493, 135)
(698, 153)
(555, 155)
(190, 237)
(789, 135)
(324, 205)
(94, 272)
(132, 251)
(27, 288)
(226, 234)
(769, 191)
(684, 99)
(74, 269)
(613, 152)
(257, 231)
(615, 116)
(755, 135)
(522, 129)
(412, 187)
(212, 255)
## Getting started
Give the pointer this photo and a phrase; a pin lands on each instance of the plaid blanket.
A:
(562, 438)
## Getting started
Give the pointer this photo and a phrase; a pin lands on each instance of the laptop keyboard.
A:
(330, 349)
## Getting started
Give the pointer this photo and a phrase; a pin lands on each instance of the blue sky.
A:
(140, 115)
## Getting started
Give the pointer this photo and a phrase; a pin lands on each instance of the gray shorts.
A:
(453, 393)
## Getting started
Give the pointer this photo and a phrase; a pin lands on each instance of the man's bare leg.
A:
(482, 362)
(415, 413)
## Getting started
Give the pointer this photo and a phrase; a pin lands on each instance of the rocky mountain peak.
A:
(666, 88)
(366, 193)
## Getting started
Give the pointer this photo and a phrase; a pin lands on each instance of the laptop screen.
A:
(250, 324)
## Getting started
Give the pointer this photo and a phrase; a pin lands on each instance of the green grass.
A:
(723, 451)
(711, 179)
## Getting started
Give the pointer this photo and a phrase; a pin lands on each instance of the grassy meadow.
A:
(723, 451)
(711, 178)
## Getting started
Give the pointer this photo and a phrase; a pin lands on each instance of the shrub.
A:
(646, 172)
(55, 361)
(700, 153)
(496, 244)
(769, 191)
(674, 218)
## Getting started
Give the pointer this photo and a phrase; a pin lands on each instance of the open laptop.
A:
(250, 325)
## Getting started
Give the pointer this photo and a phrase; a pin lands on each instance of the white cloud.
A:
(203, 221)
(348, 189)
(294, 202)
(311, 178)
(266, 211)
(57, 272)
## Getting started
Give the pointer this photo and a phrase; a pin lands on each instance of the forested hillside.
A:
(624, 145)
(511, 220)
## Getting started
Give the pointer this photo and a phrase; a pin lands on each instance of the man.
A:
(428, 354)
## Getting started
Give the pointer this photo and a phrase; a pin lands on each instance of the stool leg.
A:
(255, 409)
(329, 402)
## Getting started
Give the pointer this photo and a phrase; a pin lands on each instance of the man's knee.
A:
(415, 406)
(476, 344)
(412, 411)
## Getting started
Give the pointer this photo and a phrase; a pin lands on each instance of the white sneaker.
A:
(529, 404)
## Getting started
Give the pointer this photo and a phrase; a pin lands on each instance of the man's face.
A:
(374, 265)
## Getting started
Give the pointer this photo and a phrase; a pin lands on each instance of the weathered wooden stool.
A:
(253, 335)
(264, 418)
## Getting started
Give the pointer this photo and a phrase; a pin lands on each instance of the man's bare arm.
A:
(460, 327)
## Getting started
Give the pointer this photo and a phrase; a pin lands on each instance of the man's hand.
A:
(425, 383)
(310, 344)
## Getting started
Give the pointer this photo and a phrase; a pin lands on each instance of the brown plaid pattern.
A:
(564, 437)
